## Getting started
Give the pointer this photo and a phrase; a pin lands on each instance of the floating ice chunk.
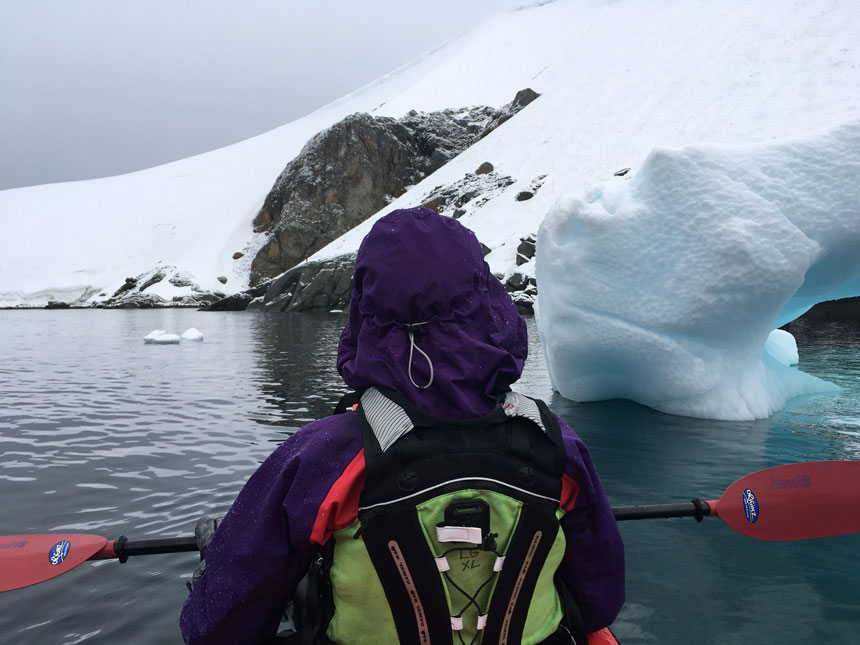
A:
(782, 346)
(193, 334)
(159, 337)
(151, 336)
(663, 289)
(166, 339)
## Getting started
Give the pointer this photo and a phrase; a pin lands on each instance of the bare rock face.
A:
(352, 170)
(311, 286)
(831, 311)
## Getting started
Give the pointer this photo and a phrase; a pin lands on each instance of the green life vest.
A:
(458, 534)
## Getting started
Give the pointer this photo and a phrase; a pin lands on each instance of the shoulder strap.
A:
(390, 418)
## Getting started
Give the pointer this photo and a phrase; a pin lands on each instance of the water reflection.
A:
(297, 356)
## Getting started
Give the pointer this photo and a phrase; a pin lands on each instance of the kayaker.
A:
(430, 509)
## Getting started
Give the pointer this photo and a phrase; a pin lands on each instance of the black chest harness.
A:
(414, 460)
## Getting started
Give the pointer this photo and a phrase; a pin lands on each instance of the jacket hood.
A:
(425, 273)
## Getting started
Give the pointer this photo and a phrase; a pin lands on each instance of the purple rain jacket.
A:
(414, 266)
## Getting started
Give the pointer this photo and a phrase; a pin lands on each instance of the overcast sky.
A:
(90, 88)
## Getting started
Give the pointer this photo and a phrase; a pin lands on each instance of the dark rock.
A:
(486, 250)
(523, 290)
(475, 190)
(157, 277)
(142, 301)
(524, 195)
(349, 172)
(238, 302)
(238, 255)
(55, 304)
(622, 172)
(133, 293)
(524, 97)
(222, 279)
(833, 310)
(130, 283)
(485, 168)
(465, 198)
(516, 282)
(526, 250)
(436, 204)
(312, 286)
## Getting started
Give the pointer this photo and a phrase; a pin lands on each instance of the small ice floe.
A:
(193, 334)
(160, 337)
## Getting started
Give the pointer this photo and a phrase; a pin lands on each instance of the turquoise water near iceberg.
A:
(100, 433)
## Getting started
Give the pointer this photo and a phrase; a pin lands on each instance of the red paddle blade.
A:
(29, 559)
(794, 502)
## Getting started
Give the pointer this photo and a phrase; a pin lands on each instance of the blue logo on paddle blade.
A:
(750, 506)
(59, 552)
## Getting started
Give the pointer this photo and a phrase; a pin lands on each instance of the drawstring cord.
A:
(410, 329)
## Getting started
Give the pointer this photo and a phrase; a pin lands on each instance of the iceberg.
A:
(664, 288)
(192, 334)
(160, 337)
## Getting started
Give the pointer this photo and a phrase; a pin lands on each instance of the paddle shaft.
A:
(153, 547)
(123, 549)
(655, 511)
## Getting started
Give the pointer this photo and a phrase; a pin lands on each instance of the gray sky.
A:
(90, 88)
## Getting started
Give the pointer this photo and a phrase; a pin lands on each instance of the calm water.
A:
(100, 433)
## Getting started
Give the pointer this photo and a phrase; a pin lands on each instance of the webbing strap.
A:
(517, 405)
(389, 421)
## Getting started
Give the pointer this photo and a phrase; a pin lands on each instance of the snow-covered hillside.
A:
(617, 79)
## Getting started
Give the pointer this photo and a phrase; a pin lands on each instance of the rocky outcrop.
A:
(523, 290)
(311, 286)
(471, 192)
(239, 301)
(833, 310)
(525, 250)
(352, 170)
(133, 293)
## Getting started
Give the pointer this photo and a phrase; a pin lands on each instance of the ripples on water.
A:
(101, 433)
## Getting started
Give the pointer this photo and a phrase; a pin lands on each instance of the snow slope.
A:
(617, 79)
